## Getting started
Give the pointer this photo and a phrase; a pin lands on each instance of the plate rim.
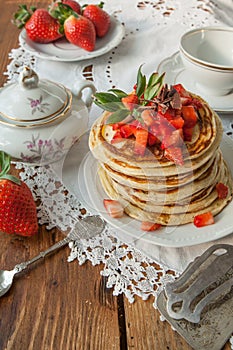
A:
(121, 224)
(25, 43)
(181, 68)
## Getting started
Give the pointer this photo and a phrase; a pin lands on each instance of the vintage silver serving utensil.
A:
(199, 303)
(86, 228)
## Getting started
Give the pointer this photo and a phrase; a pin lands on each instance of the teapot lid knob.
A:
(28, 78)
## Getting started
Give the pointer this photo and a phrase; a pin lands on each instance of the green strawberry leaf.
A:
(5, 160)
(118, 116)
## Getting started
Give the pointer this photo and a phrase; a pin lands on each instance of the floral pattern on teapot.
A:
(38, 105)
(45, 150)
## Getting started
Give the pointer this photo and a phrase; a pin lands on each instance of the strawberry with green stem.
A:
(40, 26)
(18, 213)
(100, 18)
(78, 30)
(74, 5)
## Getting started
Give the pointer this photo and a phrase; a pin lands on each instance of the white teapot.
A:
(40, 120)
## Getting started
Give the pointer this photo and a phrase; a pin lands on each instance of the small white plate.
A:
(62, 50)
(177, 73)
(90, 191)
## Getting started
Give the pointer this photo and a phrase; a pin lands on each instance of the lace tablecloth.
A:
(152, 32)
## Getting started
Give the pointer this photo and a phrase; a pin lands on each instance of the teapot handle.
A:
(78, 91)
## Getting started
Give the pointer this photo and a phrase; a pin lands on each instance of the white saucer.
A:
(62, 50)
(177, 73)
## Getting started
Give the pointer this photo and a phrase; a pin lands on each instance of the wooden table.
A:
(59, 305)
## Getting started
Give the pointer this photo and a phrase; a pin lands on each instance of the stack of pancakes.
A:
(153, 188)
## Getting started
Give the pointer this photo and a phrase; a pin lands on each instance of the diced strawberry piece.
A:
(174, 139)
(181, 90)
(165, 128)
(174, 154)
(115, 126)
(197, 103)
(149, 226)
(189, 115)
(222, 190)
(116, 137)
(141, 136)
(203, 219)
(127, 130)
(185, 101)
(148, 116)
(177, 122)
(130, 101)
(137, 124)
(169, 114)
(154, 135)
(152, 139)
(188, 134)
(113, 208)
(155, 130)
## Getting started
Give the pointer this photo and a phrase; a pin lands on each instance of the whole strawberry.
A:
(99, 17)
(78, 29)
(81, 32)
(40, 26)
(18, 209)
(72, 3)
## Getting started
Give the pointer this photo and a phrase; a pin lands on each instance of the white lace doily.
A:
(152, 32)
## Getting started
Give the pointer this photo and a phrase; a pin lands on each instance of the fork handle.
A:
(22, 266)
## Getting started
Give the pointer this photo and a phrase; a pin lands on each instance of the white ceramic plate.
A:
(177, 73)
(62, 50)
(92, 194)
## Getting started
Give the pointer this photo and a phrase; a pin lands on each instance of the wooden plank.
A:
(54, 304)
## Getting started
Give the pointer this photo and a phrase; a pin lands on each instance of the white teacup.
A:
(207, 53)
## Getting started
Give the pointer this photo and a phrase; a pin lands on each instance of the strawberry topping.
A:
(204, 219)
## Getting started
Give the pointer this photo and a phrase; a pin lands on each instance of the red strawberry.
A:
(74, 5)
(189, 115)
(80, 31)
(222, 190)
(99, 18)
(149, 226)
(181, 90)
(204, 219)
(18, 209)
(177, 122)
(188, 134)
(141, 135)
(40, 26)
(130, 101)
(114, 208)
(148, 116)
(174, 154)
(127, 130)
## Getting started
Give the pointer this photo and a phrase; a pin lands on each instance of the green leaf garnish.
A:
(119, 93)
(141, 83)
(118, 116)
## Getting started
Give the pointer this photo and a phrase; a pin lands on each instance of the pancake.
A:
(152, 187)
(170, 214)
(208, 135)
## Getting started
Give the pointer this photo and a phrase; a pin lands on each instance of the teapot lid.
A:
(32, 99)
